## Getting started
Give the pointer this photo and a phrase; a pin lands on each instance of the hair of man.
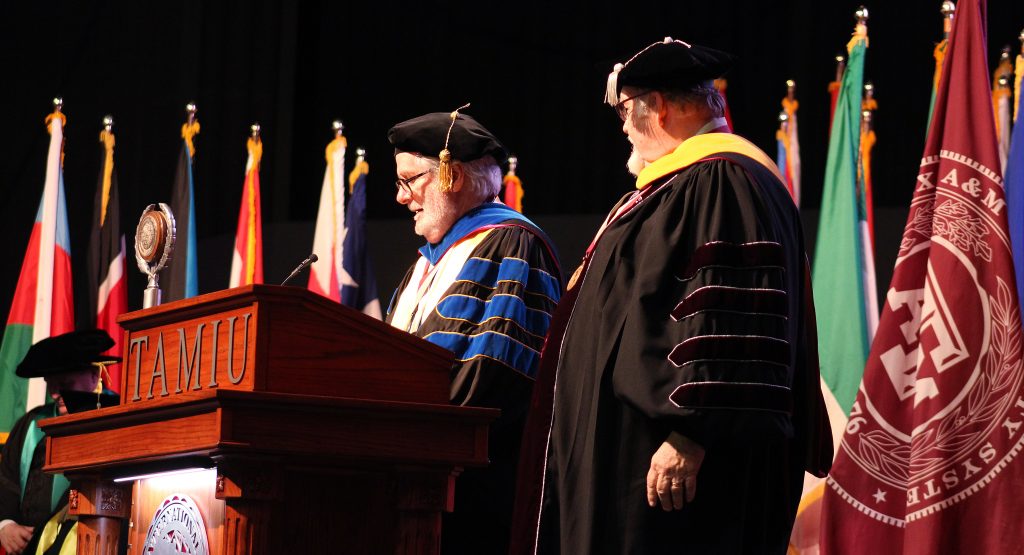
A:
(703, 94)
(482, 176)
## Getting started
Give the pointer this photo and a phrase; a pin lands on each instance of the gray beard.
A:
(636, 163)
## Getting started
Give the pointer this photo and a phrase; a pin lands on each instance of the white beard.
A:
(636, 163)
(438, 215)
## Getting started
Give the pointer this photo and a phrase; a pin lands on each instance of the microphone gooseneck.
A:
(311, 259)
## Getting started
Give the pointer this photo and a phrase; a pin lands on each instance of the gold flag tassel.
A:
(1020, 78)
(107, 138)
(860, 31)
(255, 147)
(190, 129)
(444, 171)
(360, 169)
(58, 106)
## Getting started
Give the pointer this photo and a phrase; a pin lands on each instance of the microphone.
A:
(312, 258)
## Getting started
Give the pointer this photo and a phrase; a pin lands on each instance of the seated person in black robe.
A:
(29, 496)
(681, 362)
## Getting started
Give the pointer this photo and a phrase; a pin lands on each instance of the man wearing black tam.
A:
(484, 287)
(29, 496)
(681, 364)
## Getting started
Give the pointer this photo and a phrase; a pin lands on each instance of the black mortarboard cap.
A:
(427, 135)
(670, 64)
(69, 352)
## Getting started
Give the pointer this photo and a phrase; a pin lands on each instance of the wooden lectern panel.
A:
(276, 339)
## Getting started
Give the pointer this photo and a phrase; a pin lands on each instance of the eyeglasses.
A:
(620, 107)
(405, 184)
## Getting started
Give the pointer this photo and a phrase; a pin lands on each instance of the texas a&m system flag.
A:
(930, 459)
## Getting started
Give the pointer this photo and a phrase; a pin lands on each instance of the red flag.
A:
(247, 260)
(929, 461)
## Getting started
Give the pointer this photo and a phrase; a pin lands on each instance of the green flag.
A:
(841, 251)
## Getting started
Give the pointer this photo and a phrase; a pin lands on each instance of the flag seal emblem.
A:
(944, 418)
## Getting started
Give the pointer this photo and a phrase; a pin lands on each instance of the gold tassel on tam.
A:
(444, 172)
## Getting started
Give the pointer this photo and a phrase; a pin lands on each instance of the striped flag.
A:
(325, 277)
(844, 301)
(107, 264)
(789, 142)
(247, 260)
(781, 138)
(360, 291)
(42, 304)
(843, 278)
(181, 279)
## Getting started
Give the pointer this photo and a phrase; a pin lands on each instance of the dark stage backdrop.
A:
(534, 72)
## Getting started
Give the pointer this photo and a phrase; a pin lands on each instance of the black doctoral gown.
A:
(494, 317)
(691, 314)
(32, 508)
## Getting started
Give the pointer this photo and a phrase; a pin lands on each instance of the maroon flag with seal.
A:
(930, 461)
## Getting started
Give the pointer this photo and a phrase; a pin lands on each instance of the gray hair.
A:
(483, 176)
(703, 94)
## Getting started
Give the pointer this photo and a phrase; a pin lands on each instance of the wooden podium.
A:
(267, 419)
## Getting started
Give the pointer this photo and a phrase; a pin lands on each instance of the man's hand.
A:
(14, 537)
(673, 474)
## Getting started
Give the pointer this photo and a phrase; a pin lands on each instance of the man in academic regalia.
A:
(484, 287)
(29, 497)
(682, 359)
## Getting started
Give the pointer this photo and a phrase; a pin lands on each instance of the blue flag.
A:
(358, 283)
(180, 280)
